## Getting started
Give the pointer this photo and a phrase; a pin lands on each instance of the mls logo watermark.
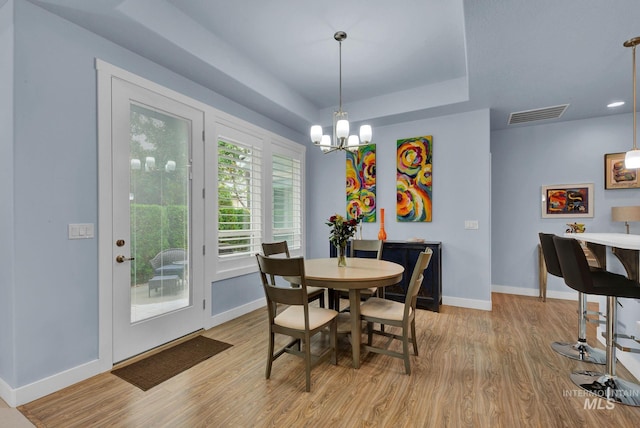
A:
(592, 401)
(596, 403)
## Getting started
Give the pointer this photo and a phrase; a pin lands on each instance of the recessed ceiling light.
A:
(615, 104)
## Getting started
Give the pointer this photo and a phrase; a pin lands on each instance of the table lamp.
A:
(625, 214)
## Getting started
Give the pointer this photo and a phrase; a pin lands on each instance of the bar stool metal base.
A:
(580, 351)
(608, 388)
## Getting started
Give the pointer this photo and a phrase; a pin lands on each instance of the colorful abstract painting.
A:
(361, 183)
(413, 179)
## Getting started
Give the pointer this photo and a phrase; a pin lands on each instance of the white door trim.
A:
(106, 73)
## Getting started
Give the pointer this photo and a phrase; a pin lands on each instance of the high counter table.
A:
(626, 248)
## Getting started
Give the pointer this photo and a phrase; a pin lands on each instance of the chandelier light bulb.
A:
(316, 133)
(342, 128)
(632, 159)
(365, 134)
(353, 142)
(325, 143)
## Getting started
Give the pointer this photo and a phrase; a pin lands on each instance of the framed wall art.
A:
(361, 183)
(567, 200)
(616, 176)
(414, 179)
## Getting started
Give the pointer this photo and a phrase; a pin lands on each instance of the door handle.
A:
(121, 259)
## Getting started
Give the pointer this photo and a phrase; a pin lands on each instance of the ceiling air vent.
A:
(538, 114)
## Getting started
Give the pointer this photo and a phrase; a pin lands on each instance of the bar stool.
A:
(579, 350)
(577, 275)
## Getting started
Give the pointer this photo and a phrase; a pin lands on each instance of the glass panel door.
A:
(154, 292)
(159, 212)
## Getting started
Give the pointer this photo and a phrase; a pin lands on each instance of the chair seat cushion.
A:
(612, 284)
(382, 308)
(293, 317)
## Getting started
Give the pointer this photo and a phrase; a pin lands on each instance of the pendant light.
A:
(341, 138)
(632, 157)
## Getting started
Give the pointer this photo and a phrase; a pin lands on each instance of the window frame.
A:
(246, 134)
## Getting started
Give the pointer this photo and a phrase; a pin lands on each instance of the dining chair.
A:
(298, 320)
(370, 248)
(281, 248)
(396, 314)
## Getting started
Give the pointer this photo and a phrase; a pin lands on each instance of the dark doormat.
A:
(155, 369)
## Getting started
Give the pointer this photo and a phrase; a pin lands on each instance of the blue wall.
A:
(6, 191)
(461, 183)
(529, 157)
(52, 293)
(526, 158)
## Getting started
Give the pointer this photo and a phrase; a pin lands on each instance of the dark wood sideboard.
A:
(406, 253)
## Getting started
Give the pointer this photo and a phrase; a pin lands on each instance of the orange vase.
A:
(382, 235)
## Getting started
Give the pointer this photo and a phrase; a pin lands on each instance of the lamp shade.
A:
(316, 133)
(342, 128)
(353, 141)
(365, 133)
(625, 213)
(632, 159)
(325, 143)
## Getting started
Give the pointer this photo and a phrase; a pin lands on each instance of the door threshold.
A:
(156, 350)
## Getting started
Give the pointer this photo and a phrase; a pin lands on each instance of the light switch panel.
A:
(471, 224)
(81, 231)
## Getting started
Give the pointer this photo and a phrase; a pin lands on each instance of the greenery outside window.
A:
(239, 199)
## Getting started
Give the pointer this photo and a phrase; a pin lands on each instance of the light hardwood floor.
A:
(476, 369)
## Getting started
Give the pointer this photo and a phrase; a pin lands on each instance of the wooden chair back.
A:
(372, 246)
(273, 268)
(417, 276)
(274, 248)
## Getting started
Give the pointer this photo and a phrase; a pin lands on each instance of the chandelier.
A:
(632, 157)
(341, 138)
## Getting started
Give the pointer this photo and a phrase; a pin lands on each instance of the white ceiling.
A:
(402, 60)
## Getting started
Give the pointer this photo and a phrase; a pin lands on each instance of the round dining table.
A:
(360, 273)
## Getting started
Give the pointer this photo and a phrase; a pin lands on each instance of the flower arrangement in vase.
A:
(340, 232)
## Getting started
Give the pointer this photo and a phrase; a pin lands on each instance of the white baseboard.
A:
(467, 303)
(234, 313)
(33, 391)
(551, 294)
(7, 393)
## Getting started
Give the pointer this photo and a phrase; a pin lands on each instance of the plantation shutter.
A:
(287, 210)
(239, 199)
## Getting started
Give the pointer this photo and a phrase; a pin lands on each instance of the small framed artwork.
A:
(616, 176)
(567, 200)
